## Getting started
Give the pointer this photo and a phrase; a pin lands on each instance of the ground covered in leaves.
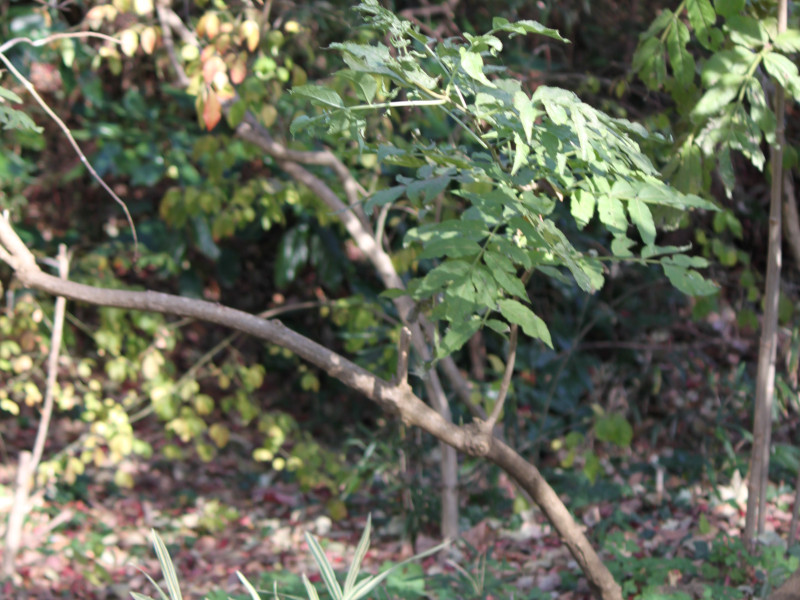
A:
(91, 541)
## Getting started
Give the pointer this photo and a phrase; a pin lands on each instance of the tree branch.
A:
(395, 398)
(506, 382)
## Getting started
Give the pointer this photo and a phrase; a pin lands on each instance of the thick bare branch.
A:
(395, 398)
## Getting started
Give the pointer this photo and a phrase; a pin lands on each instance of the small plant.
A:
(353, 589)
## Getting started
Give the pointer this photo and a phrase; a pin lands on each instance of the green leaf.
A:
(689, 281)
(304, 123)
(486, 290)
(472, 63)
(582, 206)
(167, 567)
(447, 274)
(615, 429)
(393, 293)
(385, 196)
(513, 251)
(500, 327)
(12, 118)
(728, 8)
(521, 154)
(507, 279)
(324, 566)
(683, 67)
(310, 590)
(248, 586)
(702, 18)
(579, 124)
(498, 262)
(527, 114)
(457, 335)
(651, 251)
(735, 61)
(484, 43)
(521, 315)
(358, 558)
(526, 26)
(689, 177)
(725, 170)
(364, 84)
(235, 113)
(621, 246)
(449, 229)
(760, 111)
(204, 239)
(649, 62)
(320, 95)
(658, 194)
(684, 260)
(428, 189)
(643, 219)
(747, 31)
(292, 255)
(612, 213)
(788, 41)
(782, 69)
(365, 586)
(664, 18)
(9, 95)
(716, 98)
(454, 247)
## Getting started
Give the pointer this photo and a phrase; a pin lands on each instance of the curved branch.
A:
(395, 398)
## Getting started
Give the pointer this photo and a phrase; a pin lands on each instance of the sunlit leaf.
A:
(702, 18)
(521, 315)
(319, 94)
(472, 63)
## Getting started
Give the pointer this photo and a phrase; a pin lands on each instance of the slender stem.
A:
(506, 382)
(32, 91)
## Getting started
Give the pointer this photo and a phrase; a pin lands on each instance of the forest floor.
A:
(94, 542)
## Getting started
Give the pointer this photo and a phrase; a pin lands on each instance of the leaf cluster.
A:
(513, 163)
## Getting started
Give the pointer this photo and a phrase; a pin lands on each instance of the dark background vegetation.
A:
(679, 370)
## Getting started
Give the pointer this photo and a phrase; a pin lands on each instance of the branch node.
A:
(479, 438)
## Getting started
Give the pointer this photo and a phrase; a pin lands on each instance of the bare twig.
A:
(17, 515)
(29, 462)
(52, 360)
(7, 45)
(506, 382)
(791, 220)
(164, 18)
(63, 126)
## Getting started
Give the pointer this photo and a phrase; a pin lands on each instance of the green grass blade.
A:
(248, 586)
(312, 593)
(325, 568)
(361, 552)
(367, 585)
(167, 567)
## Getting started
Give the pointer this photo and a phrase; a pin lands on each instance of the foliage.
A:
(505, 173)
(718, 79)
(726, 110)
